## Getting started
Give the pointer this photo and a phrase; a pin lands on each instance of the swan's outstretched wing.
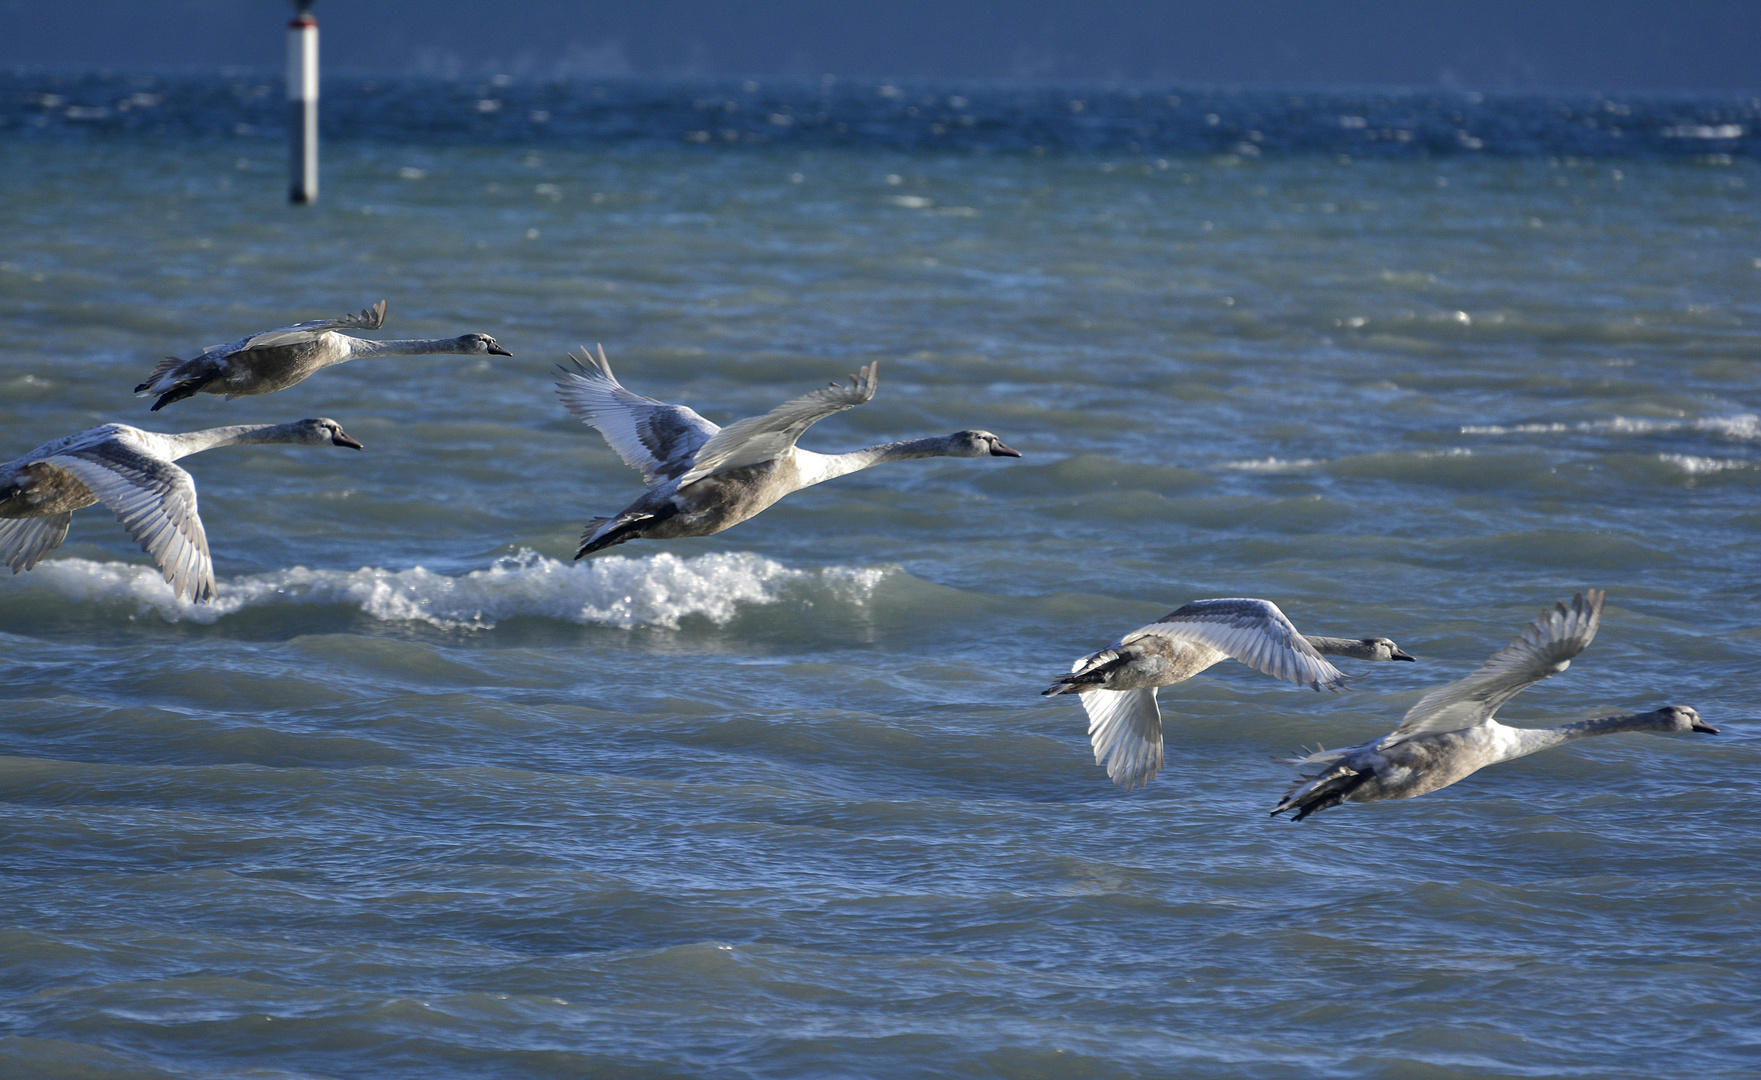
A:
(173, 369)
(156, 502)
(764, 438)
(1254, 632)
(1544, 649)
(23, 541)
(656, 439)
(369, 319)
(1125, 728)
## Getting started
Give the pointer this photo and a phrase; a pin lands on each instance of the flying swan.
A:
(702, 478)
(1450, 734)
(1118, 684)
(277, 359)
(130, 471)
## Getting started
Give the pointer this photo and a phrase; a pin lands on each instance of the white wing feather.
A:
(656, 439)
(764, 438)
(1252, 631)
(1544, 649)
(1125, 728)
(156, 502)
(24, 541)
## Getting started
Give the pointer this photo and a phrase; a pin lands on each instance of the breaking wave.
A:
(1741, 426)
(1272, 464)
(1695, 466)
(657, 591)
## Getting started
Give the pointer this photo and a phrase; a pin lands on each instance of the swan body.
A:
(130, 471)
(1117, 686)
(703, 478)
(277, 359)
(1451, 734)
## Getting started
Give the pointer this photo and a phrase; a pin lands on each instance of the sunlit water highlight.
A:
(420, 796)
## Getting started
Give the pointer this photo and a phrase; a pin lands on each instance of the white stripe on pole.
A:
(302, 107)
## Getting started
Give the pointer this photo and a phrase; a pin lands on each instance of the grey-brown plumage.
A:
(277, 359)
(1118, 684)
(1451, 734)
(131, 472)
(703, 478)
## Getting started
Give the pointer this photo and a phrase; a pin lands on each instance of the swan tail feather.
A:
(180, 390)
(1088, 673)
(162, 369)
(1322, 790)
(604, 532)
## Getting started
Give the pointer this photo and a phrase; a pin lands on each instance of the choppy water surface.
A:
(420, 796)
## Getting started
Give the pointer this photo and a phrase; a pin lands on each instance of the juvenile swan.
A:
(1450, 733)
(701, 478)
(277, 359)
(1118, 684)
(131, 472)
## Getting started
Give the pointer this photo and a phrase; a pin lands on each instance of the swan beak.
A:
(1704, 728)
(340, 439)
(497, 350)
(999, 450)
(1401, 654)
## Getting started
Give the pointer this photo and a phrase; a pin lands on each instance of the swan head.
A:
(1682, 718)
(481, 345)
(321, 430)
(978, 444)
(1381, 648)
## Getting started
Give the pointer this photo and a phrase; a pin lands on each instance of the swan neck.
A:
(359, 347)
(1334, 646)
(1542, 738)
(817, 468)
(194, 442)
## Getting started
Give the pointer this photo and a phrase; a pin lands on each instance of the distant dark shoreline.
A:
(921, 116)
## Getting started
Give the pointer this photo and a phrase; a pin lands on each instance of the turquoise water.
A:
(420, 796)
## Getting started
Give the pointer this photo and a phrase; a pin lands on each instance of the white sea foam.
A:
(659, 590)
(1511, 429)
(1272, 464)
(1740, 426)
(1694, 466)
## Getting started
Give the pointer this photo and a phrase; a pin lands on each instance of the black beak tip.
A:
(1405, 656)
(1705, 728)
(999, 450)
(344, 440)
(497, 350)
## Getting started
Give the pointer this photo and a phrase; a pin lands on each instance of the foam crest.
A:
(1272, 464)
(1695, 466)
(1512, 429)
(659, 591)
(1740, 426)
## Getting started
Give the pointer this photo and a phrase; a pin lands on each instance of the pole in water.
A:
(302, 105)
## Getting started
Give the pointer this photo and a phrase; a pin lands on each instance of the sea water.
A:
(418, 795)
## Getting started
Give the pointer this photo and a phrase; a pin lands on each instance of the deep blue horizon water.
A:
(932, 117)
(420, 796)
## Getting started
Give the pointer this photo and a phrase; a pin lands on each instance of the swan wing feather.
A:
(24, 541)
(369, 319)
(1125, 728)
(1544, 649)
(658, 440)
(764, 438)
(155, 501)
(1252, 631)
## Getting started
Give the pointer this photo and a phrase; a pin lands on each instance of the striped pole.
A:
(302, 105)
